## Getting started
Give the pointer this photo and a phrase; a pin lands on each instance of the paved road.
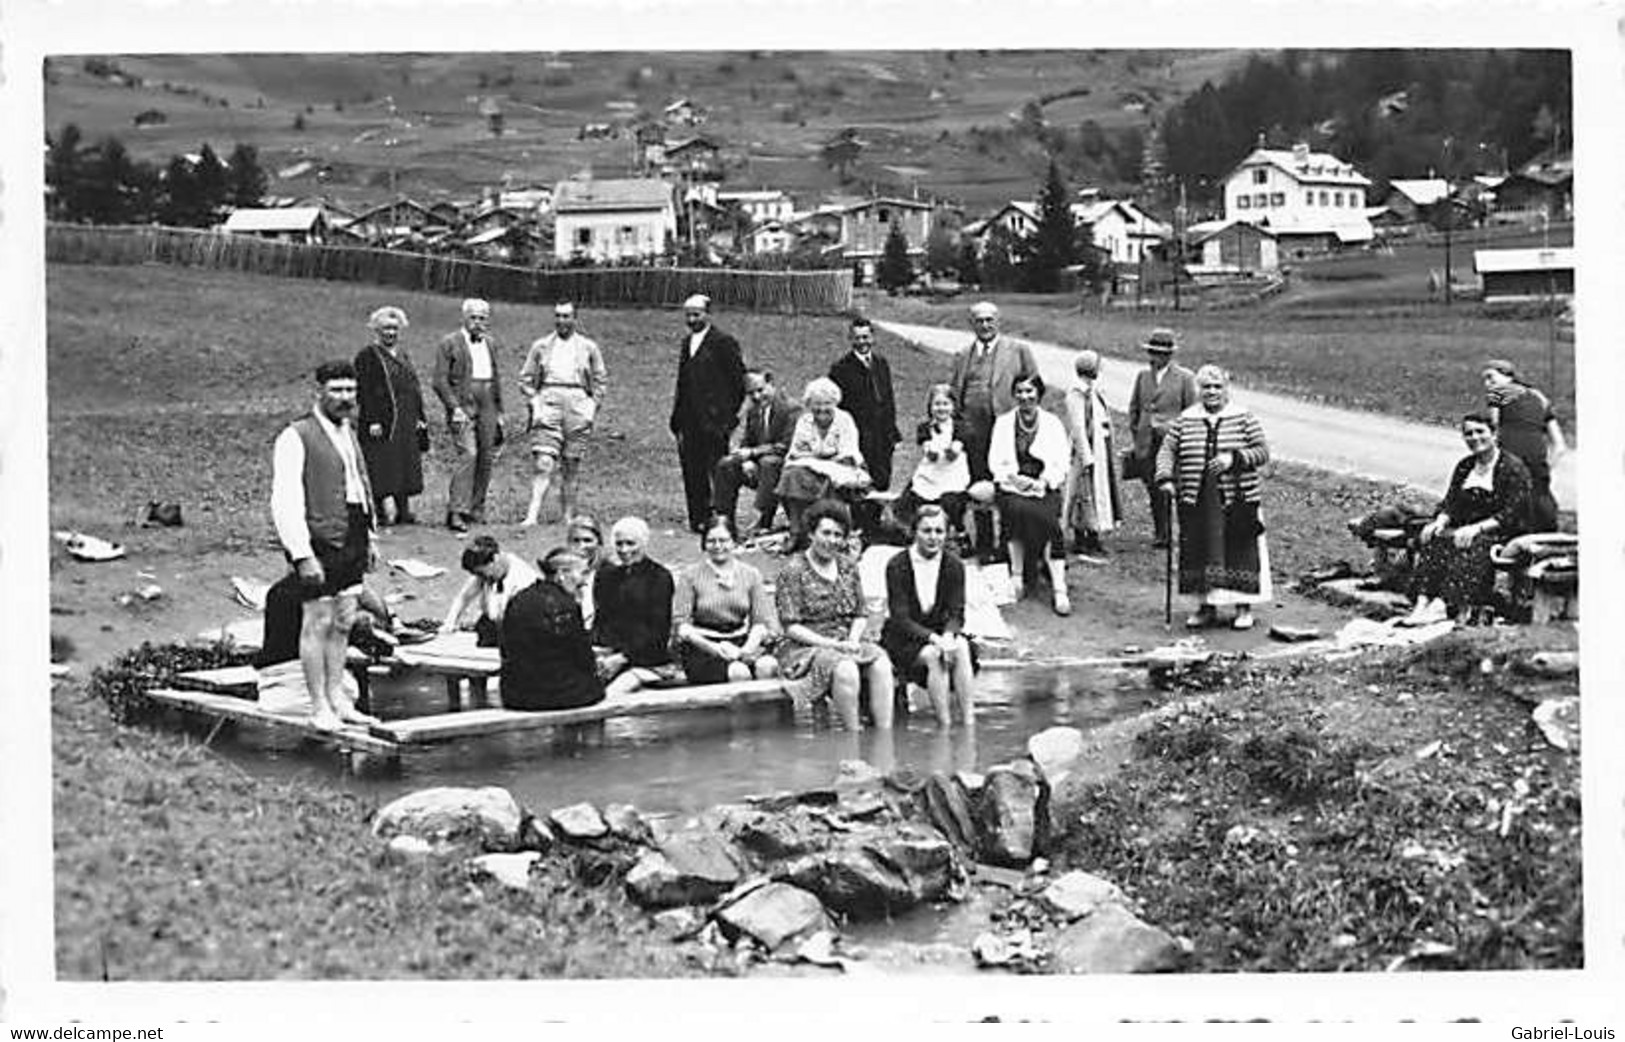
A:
(1368, 445)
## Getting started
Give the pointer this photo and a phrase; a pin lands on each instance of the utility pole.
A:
(1551, 311)
(1179, 242)
(1449, 223)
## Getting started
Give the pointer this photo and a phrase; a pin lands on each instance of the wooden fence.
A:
(788, 292)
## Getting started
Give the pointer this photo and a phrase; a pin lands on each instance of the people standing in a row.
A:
(705, 407)
(770, 420)
(1527, 427)
(468, 381)
(394, 432)
(563, 378)
(1162, 391)
(983, 375)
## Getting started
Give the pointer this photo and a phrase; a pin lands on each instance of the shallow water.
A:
(688, 762)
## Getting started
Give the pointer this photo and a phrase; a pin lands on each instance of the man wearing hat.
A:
(1162, 391)
(984, 372)
(705, 408)
(1527, 427)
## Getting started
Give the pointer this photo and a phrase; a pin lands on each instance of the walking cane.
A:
(1168, 564)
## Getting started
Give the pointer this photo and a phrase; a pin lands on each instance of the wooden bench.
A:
(1393, 552)
(247, 635)
(1543, 573)
(647, 702)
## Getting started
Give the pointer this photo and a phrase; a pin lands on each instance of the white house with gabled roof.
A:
(1299, 192)
(612, 219)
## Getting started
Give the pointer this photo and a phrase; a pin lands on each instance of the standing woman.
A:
(547, 657)
(393, 431)
(722, 616)
(1210, 460)
(1092, 500)
(820, 604)
(1029, 455)
(925, 596)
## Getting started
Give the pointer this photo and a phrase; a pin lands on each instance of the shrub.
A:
(123, 685)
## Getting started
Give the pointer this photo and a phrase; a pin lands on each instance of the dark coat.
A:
(710, 386)
(781, 425)
(388, 394)
(907, 627)
(1154, 407)
(867, 394)
(547, 659)
(452, 369)
(632, 611)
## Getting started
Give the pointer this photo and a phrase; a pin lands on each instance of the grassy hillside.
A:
(412, 120)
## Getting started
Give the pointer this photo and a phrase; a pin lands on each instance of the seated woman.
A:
(820, 604)
(494, 577)
(279, 676)
(585, 537)
(1487, 502)
(1029, 455)
(547, 657)
(925, 596)
(723, 616)
(824, 458)
(942, 477)
(632, 624)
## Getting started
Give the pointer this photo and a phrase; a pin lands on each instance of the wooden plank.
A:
(243, 710)
(230, 680)
(649, 702)
(454, 653)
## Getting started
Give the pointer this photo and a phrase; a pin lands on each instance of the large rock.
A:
(693, 866)
(624, 822)
(511, 870)
(1078, 893)
(1113, 940)
(947, 807)
(1012, 814)
(792, 833)
(579, 822)
(857, 773)
(1056, 750)
(773, 914)
(920, 855)
(486, 818)
(878, 873)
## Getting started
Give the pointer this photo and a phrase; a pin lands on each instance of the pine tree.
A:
(64, 170)
(212, 184)
(1053, 246)
(182, 203)
(246, 181)
(896, 270)
(970, 268)
(940, 255)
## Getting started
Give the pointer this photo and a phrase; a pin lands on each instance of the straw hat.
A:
(1161, 341)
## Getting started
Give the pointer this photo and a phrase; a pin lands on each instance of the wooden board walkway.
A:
(242, 710)
(649, 702)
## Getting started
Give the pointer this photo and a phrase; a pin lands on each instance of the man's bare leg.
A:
(569, 476)
(315, 625)
(337, 648)
(538, 488)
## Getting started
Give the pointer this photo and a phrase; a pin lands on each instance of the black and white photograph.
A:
(1047, 520)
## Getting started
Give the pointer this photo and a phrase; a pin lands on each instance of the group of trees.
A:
(1392, 113)
(102, 183)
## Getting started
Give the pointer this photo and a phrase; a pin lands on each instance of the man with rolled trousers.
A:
(705, 408)
(321, 506)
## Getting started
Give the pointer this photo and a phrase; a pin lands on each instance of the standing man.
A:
(1527, 427)
(467, 380)
(864, 378)
(983, 375)
(321, 505)
(770, 419)
(1162, 391)
(563, 379)
(710, 388)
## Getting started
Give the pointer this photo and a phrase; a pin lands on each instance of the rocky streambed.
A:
(812, 878)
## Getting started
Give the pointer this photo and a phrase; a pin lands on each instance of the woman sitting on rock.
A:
(632, 621)
(925, 596)
(547, 657)
(1487, 503)
(723, 615)
(820, 604)
(824, 458)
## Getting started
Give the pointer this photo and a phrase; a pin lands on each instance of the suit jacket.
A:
(1153, 408)
(780, 426)
(867, 394)
(710, 386)
(1009, 361)
(452, 369)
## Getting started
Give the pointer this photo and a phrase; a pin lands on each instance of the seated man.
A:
(631, 628)
(770, 418)
(279, 677)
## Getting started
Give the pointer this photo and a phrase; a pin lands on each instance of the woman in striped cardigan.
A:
(1210, 462)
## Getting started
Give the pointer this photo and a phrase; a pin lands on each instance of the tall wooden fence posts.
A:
(787, 292)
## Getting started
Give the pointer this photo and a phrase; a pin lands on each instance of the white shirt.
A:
(288, 482)
(694, 341)
(479, 357)
(926, 570)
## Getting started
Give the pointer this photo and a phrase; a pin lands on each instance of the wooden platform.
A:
(231, 680)
(230, 707)
(650, 702)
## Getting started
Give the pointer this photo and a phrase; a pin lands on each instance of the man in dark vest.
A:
(864, 377)
(321, 505)
(705, 409)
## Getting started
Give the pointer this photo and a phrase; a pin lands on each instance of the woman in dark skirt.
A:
(390, 419)
(1488, 502)
(1209, 461)
(722, 615)
(1029, 456)
(925, 598)
(547, 657)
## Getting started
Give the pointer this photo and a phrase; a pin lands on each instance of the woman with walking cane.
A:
(1209, 463)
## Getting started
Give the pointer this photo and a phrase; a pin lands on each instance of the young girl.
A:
(943, 475)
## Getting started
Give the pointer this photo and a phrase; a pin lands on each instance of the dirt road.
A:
(1343, 441)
